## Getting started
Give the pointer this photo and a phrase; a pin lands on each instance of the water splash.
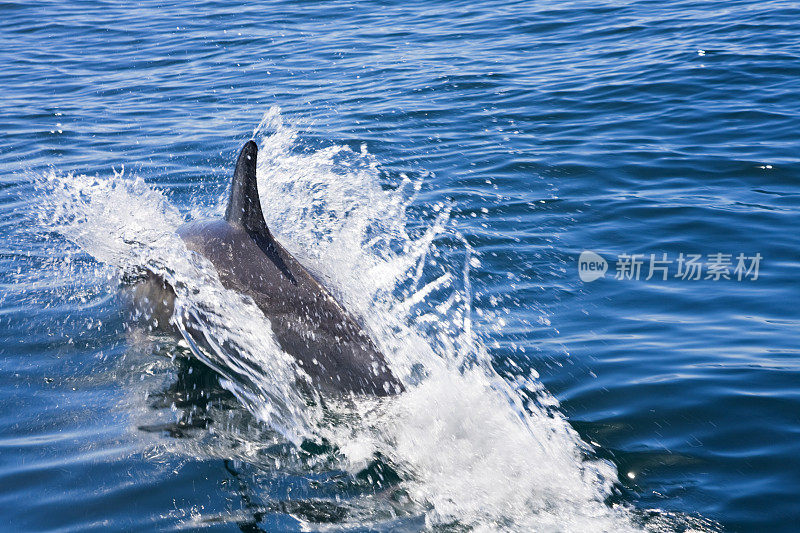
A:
(472, 448)
(125, 223)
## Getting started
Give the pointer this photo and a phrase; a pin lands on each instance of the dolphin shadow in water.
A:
(201, 403)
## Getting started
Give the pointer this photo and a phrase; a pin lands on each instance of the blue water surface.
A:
(552, 128)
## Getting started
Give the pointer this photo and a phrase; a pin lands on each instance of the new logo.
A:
(591, 266)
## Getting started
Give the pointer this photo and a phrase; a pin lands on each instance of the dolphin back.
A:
(307, 321)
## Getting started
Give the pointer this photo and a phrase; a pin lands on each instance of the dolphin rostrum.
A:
(307, 321)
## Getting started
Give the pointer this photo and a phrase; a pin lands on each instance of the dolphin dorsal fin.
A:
(244, 206)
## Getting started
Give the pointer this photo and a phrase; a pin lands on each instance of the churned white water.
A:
(471, 447)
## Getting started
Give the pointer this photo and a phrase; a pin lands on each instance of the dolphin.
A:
(307, 321)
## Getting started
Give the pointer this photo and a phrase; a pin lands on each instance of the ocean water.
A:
(441, 166)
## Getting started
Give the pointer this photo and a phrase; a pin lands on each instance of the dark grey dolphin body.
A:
(307, 321)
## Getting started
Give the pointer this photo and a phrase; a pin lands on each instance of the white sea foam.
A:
(124, 223)
(470, 448)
